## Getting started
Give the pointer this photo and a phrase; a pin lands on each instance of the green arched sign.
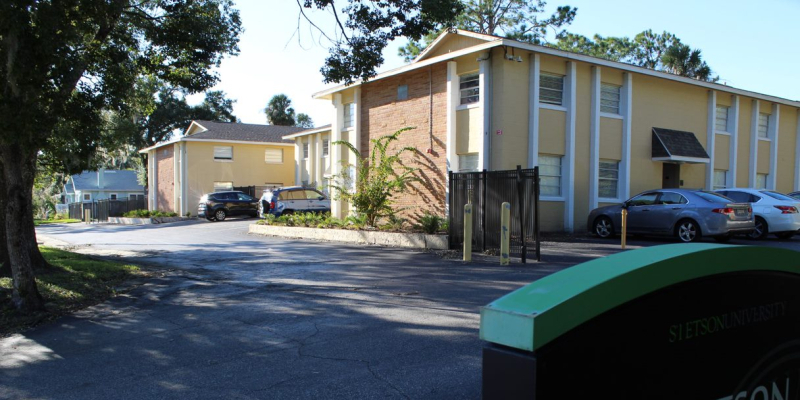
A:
(675, 316)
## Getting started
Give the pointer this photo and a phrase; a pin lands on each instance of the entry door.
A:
(671, 176)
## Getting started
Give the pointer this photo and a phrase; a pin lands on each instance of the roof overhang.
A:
(308, 132)
(670, 145)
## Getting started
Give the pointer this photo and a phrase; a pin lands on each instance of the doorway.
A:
(671, 176)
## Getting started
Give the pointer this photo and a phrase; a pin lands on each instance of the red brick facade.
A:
(426, 110)
(165, 189)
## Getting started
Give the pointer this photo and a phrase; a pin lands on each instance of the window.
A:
(131, 196)
(223, 153)
(722, 118)
(313, 195)
(672, 198)
(273, 156)
(112, 196)
(468, 162)
(469, 85)
(720, 179)
(87, 197)
(305, 151)
(761, 181)
(609, 179)
(551, 89)
(223, 186)
(349, 114)
(244, 197)
(402, 92)
(550, 175)
(763, 125)
(646, 199)
(609, 98)
(326, 146)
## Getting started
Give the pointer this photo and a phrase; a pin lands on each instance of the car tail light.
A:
(787, 209)
(272, 205)
(750, 210)
(725, 211)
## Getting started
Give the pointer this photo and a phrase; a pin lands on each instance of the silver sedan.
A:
(685, 214)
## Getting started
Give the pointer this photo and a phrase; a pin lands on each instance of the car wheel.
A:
(287, 212)
(220, 215)
(784, 235)
(723, 238)
(688, 231)
(603, 227)
(760, 231)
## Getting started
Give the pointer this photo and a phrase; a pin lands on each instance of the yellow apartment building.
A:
(215, 156)
(600, 131)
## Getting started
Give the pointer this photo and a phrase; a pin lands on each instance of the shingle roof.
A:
(123, 180)
(244, 132)
(672, 143)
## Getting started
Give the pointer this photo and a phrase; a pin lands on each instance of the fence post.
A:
(536, 211)
(521, 212)
(484, 183)
(468, 232)
(624, 226)
(505, 217)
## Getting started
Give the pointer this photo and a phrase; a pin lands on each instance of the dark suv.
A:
(292, 199)
(219, 205)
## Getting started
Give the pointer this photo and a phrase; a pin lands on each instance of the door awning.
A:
(677, 146)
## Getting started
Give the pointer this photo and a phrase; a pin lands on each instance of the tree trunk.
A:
(5, 264)
(19, 169)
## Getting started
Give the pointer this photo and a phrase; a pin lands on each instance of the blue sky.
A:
(751, 45)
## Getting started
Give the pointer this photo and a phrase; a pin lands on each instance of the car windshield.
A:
(713, 197)
(776, 195)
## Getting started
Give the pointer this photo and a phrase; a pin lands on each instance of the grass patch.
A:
(75, 282)
(38, 222)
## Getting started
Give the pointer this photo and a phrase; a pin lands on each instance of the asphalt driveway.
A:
(231, 315)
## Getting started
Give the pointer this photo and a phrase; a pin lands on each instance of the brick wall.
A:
(383, 114)
(166, 178)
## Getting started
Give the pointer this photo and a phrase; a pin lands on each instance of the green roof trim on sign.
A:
(534, 315)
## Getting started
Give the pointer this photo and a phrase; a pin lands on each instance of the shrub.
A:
(430, 223)
(148, 214)
(394, 223)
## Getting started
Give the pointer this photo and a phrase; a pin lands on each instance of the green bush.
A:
(148, 214)
(431, 223)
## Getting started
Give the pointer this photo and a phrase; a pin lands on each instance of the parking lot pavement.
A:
(231, 315)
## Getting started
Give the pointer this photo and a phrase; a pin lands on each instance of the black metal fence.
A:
(487, 191)
(103, 209)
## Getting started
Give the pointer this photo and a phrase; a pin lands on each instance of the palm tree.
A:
(680, 59)
(279, 111)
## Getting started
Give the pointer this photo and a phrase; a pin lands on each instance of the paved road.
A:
(232, 315)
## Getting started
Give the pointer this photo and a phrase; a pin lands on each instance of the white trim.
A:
(764, 139)
(609, 200)
(797, 155)
(298, 158)
(356, 128)
(733, 148)
(571, 99)
(594, 139)
(485, 88)
(237, 142)
(774, 124)
(336, 151)
(533, 109)
(553, 107)
(319, 159)
(627, 107)
(711, 122)
(609, 115)
(475, 35)
(723, 133)
(696, 160)
(452, 132)
(306, 133)
(466, 106)
(753, 144)
(570, 56)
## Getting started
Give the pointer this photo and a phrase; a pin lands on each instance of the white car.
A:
(775, 213)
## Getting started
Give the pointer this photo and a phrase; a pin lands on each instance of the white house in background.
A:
(103, 184)
(312, 160)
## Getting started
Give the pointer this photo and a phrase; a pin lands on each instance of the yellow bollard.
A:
(624, 226)
(468, 232)
(505, 231)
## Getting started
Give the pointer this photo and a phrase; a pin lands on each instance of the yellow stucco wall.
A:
(664, 104)
(743, 150)
(722, 152)
(248, 168)
(552, 131)
(611, 138)
(454, 43)
(551, 214)
(509, 113)
(763, 156)
(787, 141)
(469, 124)
(553, 65)
(583, 119)
(467, 64)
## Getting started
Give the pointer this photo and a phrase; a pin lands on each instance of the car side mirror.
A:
(321, 198)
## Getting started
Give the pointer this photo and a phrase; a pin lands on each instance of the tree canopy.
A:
(280, 112)
(65, 64)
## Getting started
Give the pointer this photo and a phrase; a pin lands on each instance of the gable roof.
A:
(240, 132)
(122, 180)
(427, 58)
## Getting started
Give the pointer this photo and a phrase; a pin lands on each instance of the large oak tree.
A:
(63, 62)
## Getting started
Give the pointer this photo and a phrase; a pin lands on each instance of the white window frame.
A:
(218, 187)
(721, 109)
(305, 151)
(349, 115)
(267, 158)
(219, 149)
(462, 79)
(715, 184)
(600, 177)
(763, 117)
(326, 147)
(607, 99)
(765, 178)
(560, 176)
(465, 159)
(545, 80)
(114, 195)
(85, 195)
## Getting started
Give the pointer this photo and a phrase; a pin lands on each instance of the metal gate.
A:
(487, 191)
(103, 209)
